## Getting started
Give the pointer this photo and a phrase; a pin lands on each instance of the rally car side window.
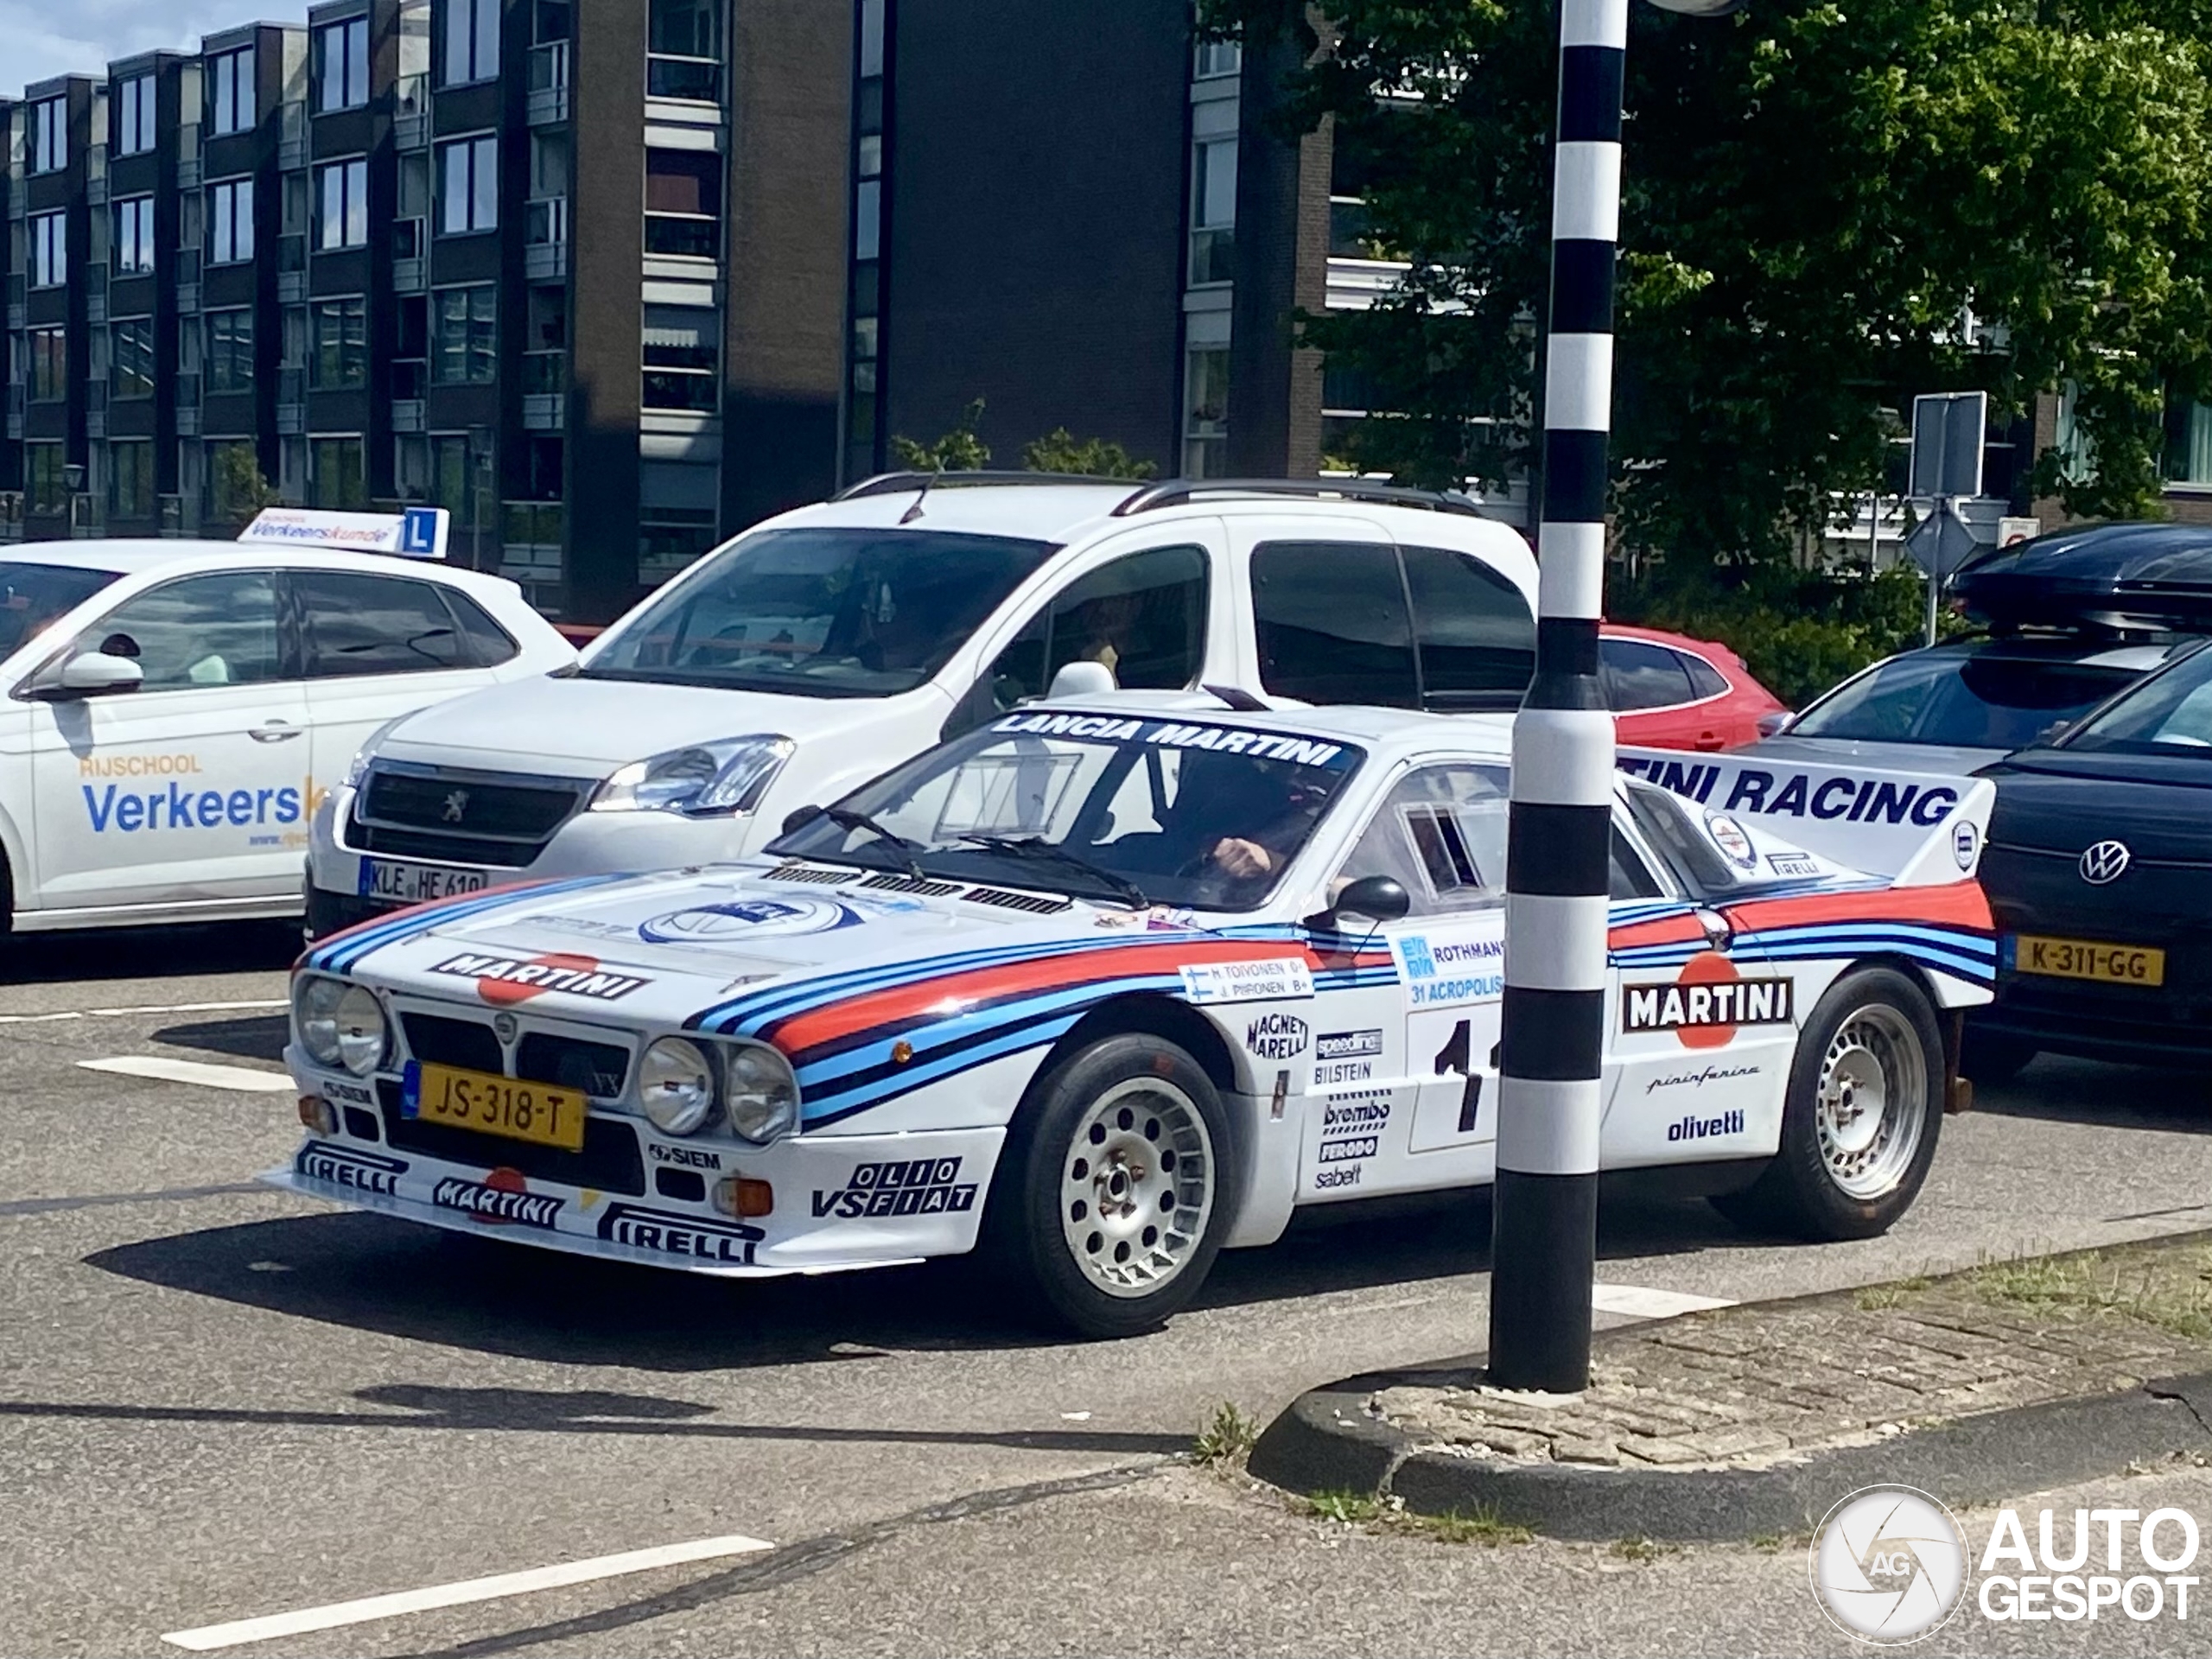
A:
(217, 629)
(1440, 835)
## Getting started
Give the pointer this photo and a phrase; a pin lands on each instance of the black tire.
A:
(1990, 1058)
(1153, 1094)
(1895, 1042)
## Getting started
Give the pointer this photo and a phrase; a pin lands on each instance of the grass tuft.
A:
(1226, 1439)
(2091, 1284)
(1482, 1525)
(1640, 1550)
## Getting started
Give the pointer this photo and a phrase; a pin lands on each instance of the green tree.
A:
(958, 451)
(1816, 196)
(238, 488)
(1059, 452)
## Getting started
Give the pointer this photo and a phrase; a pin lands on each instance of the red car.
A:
(1671, 692)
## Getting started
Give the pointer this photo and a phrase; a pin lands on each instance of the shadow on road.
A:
(2058, 1089)
(150, 952)
(373, 1273)
(250, 1037)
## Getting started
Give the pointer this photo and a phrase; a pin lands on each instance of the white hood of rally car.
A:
(603, 724)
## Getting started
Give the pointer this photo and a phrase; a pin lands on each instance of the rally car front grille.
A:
(595, 1069)
(610, 1160)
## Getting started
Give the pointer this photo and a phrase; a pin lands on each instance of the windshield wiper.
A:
(1036, 847)
(903, 849)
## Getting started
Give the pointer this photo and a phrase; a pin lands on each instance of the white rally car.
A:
(1105, 987)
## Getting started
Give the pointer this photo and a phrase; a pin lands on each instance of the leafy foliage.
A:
(238, 489)
(1058, 452)
(958, 451)
(1816, 194)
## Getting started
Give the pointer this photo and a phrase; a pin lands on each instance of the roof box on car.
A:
(2154, 577)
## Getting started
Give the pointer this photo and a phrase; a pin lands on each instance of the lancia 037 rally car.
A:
(1102, 988)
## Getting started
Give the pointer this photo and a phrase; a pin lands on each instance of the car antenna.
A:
(915, 510)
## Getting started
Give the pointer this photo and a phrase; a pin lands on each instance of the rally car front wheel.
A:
(1110, 1197)
(1859, 1125)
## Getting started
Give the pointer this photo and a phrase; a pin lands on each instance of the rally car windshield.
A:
(1971, 701)
(827, 611)
(32, 595)
(1199, 814)
(2170, 714)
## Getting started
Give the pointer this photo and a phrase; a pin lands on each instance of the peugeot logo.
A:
(2104, 862)
(457, 809)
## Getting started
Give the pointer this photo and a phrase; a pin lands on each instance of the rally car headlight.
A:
(761, 1092)
(676, 1085)
(727, 776)
(341, 1025)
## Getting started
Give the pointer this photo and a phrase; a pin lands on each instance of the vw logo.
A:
(2104, 862)
(456, 805)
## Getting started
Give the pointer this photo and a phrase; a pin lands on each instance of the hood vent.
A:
(803, 873)
(1036, 904)
(926, 888)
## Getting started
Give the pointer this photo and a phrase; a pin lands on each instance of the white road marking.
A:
(208, 1637)
(246, 1079)
(117, 1014)
(1639, 1303)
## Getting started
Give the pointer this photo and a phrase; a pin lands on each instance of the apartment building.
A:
(565, 269)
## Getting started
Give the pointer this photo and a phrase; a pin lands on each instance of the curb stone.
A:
(1327, 1441)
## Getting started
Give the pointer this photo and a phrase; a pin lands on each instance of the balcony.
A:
(11, 515)
(291, 401)
(1357, 284)
(682, 236)
(291, 269)
(409, 377)
(548, 97)
(189, 170)
(689, 80)
(546, 238)
(410, 112)
(683, 391)
(292, 135)
(410, 266)
(545, 391)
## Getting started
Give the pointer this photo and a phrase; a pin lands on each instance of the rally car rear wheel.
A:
(1112, 1193)
(1859, 1125)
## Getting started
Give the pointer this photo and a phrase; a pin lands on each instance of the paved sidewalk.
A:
(2053, 1365)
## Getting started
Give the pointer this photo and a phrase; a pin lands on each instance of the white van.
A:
(828, 644)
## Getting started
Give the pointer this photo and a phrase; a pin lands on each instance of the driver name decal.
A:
(1276, 980)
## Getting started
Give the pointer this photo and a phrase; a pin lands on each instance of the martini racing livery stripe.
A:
(341, 951)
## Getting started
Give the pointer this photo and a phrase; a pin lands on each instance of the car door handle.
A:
(1709, 741)
(275, 731)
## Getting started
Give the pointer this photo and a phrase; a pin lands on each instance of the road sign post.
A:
(1948, 432)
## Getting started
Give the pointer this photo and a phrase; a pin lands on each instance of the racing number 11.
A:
(1452, 1057)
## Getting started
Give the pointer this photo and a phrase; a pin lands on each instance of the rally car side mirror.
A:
(1378, 898)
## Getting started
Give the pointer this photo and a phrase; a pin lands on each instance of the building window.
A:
(683, 192)
(450, 484)
(49, 248)
(1215, 58)
(133, 236)
(341, 65)
(470, 39)
(468, 186)
(1213, 210)
(683, 38)
(334, 475)
(2189, 444)
(50, 365)
(337, 357)
(677, 515)
(45, 135)
(130, 115)
(131, 357)
(230, 351)
(868, 219)
(229, 91)
(1205, 411)
(680, 359)
(342, 205)
(465, 344)
(129, 480)
(230, 222)
(871, 38)
(46, 487)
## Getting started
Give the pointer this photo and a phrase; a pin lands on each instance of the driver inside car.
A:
(1236, 821)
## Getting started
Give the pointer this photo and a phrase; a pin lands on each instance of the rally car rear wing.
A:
(1909, 828)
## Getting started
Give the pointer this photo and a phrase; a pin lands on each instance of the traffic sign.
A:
(1947, 432)
(1941, 543)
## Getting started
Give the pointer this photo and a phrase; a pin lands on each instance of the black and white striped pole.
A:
(1544, 1230)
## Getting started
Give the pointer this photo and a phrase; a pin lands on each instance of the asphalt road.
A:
(219, 1402)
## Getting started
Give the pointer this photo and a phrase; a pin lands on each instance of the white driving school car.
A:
(175, 710)
(1105, 986)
